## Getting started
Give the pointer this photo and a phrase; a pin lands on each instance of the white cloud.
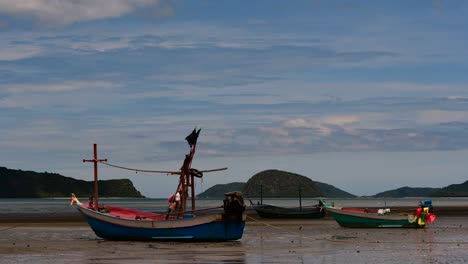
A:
(321, 123)
(63, 12)
(274, 131)
(60, 87)
(300, 123)
(73, 94)
(442, 116)
(18, 52)
(339, 120)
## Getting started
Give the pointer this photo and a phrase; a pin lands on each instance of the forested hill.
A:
(407, 192)
(277, 184)
(30, 184)
(331, 191)
(218, 190)
(454, 190)
(282, 184)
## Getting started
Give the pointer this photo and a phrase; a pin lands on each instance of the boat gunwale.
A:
(151, 223)
(399, 217)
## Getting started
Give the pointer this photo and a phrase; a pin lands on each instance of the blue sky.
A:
(364, 95)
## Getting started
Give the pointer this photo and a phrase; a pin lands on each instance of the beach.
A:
(264, 241)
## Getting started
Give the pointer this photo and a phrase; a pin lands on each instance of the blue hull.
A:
(212, 231)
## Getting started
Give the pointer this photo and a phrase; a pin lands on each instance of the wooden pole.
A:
(300, 199)
(261, 193)
(95, 161)
(192, 183)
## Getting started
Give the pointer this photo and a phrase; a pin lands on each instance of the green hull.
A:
(355, 219)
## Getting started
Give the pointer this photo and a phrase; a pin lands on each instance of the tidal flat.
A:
(264, 241)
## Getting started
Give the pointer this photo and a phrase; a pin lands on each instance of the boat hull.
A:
(269, 211)
(362, 220)
(206, 228)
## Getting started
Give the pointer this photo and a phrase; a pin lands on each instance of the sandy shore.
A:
(264, 241)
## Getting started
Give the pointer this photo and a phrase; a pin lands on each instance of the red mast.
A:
(95, 160)
(186, 177)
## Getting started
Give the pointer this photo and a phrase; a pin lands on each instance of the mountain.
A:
(281, 184)
(219, 190)
(454, 190)
(30, 184)
(407, 192)
(278, 184)
(331, 191)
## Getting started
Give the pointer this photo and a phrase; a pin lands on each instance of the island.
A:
(277, 184)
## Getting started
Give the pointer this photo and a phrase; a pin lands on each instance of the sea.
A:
(53, 205)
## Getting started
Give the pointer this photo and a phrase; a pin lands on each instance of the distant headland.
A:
(282, 184)
(30, 184)
(268, 183)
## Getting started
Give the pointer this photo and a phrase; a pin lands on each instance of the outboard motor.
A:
(427, 203)
(234, 205)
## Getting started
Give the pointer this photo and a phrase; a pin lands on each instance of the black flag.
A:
(192, 138)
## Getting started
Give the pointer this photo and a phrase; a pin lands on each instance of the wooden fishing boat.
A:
(361, 217)
(302, 212)
(223, 223)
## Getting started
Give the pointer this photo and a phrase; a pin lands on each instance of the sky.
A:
(364, 95)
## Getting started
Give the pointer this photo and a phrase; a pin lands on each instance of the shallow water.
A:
(62, 204)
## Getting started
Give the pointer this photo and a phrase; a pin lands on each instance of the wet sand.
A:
(264, 241)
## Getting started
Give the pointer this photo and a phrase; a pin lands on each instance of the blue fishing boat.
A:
(378, 218)
(222, 223)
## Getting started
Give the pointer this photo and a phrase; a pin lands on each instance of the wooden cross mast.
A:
(186, 173)
(186, 177)
(95, 161)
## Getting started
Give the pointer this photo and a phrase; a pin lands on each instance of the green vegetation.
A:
(331, 191)
(30, 184)
(219, 190)
(407, 192)
(272, 184)
(281, 184)
(454, 190)
(277, 184)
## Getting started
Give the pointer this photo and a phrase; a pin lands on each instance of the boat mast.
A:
(186, 177)
(95, 160)
(300, 198)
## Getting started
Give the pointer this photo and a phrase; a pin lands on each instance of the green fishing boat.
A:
(370, 218)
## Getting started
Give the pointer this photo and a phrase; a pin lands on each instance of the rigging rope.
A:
(140, 170)
(195, 172)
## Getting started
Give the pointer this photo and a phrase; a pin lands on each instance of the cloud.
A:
(339, 120)
(274, 131)
(322, 124)
(58, 87)
(300, 123)
(18, 52)
(71, 95)
(442, 116)
(63, 12)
